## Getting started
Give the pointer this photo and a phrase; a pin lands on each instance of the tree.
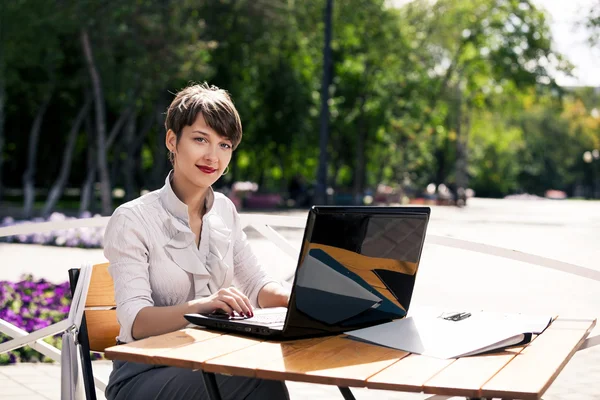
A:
(427, 92)
(105, 188)
(488, 45)
(59, 185)
(41, 53)
(592, 23)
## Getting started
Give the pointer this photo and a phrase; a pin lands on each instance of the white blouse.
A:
(154, 260)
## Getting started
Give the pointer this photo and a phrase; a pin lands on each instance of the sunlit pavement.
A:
(450, 278)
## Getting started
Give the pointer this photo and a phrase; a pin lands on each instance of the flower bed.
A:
(79, 237)
(32, 305)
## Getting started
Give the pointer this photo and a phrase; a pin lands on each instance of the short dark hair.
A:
(216, 107)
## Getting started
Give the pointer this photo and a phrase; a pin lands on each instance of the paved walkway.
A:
(564, 230)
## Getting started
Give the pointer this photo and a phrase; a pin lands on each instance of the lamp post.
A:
(321, 187)
(589, 157)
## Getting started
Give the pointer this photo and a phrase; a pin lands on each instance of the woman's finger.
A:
(240, 299)
(249, 309)
(232, 302)
(219, 304)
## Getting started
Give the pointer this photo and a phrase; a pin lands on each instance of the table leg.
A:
(346, 393)
(210, 382)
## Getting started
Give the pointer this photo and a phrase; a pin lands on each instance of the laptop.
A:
(357, 268)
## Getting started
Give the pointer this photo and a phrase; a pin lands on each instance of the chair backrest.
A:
(99, 326)
(100, 310)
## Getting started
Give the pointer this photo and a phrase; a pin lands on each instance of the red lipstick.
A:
(206, 169)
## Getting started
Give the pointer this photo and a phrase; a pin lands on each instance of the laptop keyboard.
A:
(278, 318)
(261, 316)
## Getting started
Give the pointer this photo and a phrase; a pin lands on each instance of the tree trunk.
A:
(282, 180)
(129, 161)
(59, 185)
(112, 137)
(105, 188)
(321, 188)
(399, 167)
(2, 102)
(93, 168)
(114, 167)
(385, 161)
(333, 181)
(161, 163)
(233, 169)
(359, 166)
(86, 188)
(140, 140)
(462, 134)
(29, 175)
(441, 157)
(2, 99)
(261, 176)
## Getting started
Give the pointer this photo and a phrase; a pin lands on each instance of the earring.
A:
(226, 171)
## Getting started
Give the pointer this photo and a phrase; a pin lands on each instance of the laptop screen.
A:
(357, 267)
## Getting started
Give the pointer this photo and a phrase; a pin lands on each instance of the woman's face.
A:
(201, 155)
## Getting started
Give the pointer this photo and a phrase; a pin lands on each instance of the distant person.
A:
(459, 195)
(298, 191)
(181, 249)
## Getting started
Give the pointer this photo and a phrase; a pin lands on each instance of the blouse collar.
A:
(178, 208)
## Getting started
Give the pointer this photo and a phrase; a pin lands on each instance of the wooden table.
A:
(520, 373)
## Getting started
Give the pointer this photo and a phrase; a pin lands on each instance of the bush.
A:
(32, 305)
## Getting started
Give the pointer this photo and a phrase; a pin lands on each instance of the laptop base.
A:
(236, 325)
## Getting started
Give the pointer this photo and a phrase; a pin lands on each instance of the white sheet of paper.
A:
(440, 338)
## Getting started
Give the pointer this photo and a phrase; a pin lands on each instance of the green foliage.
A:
(410, 85)
(495, 145)
(591, 22)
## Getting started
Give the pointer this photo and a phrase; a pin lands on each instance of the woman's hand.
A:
(229, 300)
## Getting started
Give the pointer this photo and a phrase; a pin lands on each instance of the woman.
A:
(181, 250)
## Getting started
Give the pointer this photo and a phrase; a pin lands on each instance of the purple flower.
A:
(22, 238)
(7, 221)
(79, 237)
(32, 305)
(85, 214)
(39, 323)
(57, 217)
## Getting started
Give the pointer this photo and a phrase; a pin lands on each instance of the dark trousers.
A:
(179, 383)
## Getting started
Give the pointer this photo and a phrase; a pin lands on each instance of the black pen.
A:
(458, 316)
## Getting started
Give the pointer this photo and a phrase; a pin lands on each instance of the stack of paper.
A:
(438, 337)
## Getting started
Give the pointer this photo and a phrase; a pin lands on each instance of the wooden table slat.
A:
(530, 373)
(339, 361)
(467, 375)
(409, 374)
(195, 354)
(524, 373)
(143, 351)
(244, 361)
